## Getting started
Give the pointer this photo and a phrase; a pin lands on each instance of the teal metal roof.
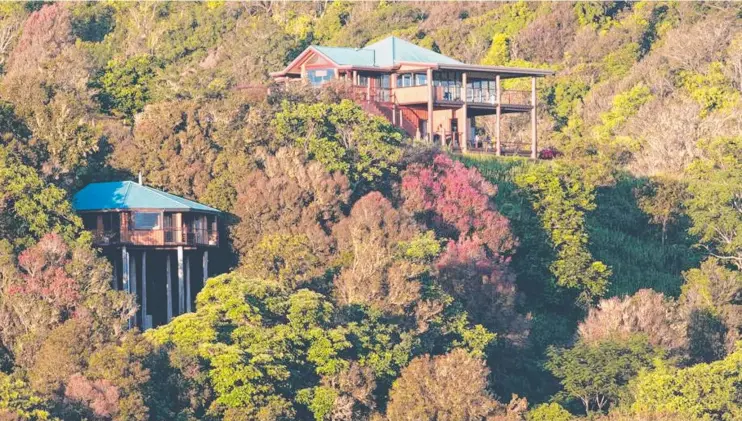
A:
(393, 50)
(131, 195)
(348, 56)
(387, 52)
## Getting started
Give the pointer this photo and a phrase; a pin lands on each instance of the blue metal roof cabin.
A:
(123, 195)
(149, 236)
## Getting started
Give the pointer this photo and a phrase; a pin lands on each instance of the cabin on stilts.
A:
(158, 244)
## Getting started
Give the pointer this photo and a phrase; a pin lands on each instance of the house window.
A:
(362, 80)
(146, 220)
(411, 79)
(404, 80)
(319, 76)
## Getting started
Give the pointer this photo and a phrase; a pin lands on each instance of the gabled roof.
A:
(130, 195)
(388, 52)
(392, 50)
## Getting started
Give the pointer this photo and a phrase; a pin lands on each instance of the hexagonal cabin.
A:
(152, 239)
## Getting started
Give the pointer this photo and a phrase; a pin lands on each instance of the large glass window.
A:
(319, 76)
(146, 220)
(482, 91)
(448, 85)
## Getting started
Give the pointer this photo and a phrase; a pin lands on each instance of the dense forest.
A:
(366, 277)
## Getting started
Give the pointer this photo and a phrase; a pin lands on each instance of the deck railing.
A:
(482, 96)
(157, 237)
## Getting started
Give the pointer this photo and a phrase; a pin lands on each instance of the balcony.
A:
(453, 96)
(156, 237)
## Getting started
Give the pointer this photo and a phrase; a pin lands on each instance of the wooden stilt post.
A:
(464, 143)
(498, 112)
(431, 99)
(205, 265)
(181, 282)
(145, 324)
(534, 141)
(188, 282)
(133, 285)
(169, 289)
(125, 272)
(115, 281)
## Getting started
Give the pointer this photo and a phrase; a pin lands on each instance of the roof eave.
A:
(127, 209)
(515, 71)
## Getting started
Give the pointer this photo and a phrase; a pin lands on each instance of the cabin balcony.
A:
(156, 237)
(482, 98)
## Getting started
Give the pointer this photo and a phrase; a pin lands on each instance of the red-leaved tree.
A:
(456, 202)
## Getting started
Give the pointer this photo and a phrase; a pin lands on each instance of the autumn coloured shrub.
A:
(456, 202)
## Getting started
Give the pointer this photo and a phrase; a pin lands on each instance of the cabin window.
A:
(146, 220)
(319, 76)
(90, 221)
(411, 79)
(404, 80)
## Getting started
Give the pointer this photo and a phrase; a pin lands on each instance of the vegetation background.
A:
(367, 278)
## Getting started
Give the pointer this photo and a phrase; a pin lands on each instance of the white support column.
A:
(498, 112)
(181, 282)
(125, 272)
(169, 289)
(133, 284)
(145, 325)
(431, 100)
(464, 143)
(534, 141)
(205, 265)
(188, 282)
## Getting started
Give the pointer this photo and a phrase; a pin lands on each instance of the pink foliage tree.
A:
(101, 396)
(44, 276)
(456, 202)
(45, 33)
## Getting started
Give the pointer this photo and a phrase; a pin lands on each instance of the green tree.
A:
(662, 198)
(343, 138)
(715, 202)
(124, 85)
(18, 402)
(597, 374)
(703, 391)
(549, 412)
(31, 207)
(260, 346)
(561, 196)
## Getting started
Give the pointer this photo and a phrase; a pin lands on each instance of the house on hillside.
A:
(154, 240)
(428, 95)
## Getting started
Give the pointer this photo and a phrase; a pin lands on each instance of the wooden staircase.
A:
(386, 110)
